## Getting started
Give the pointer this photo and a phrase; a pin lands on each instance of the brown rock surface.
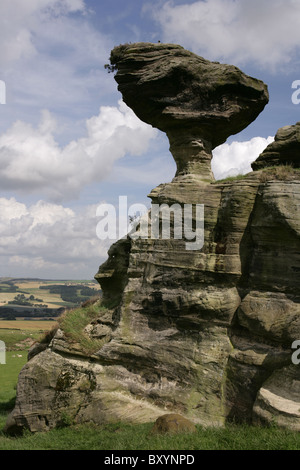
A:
(173, 424)
(285, 150)
(278, 400)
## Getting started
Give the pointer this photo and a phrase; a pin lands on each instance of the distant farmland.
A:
(42, 299)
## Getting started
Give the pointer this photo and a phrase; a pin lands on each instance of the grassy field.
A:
(116, 437)
(26, 325)
(20, 334)
(32, 287)
(9, 372)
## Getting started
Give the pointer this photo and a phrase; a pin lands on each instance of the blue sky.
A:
(67, 141)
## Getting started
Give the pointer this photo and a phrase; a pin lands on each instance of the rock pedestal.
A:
(197, 103)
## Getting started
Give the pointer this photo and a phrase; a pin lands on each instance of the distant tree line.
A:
(8, 286)
(20, 299)
(72, 294)
(9, 313)
(31, 307)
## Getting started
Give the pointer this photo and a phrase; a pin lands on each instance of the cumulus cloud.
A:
(32, 160)
(265, 31)
(47, 239)
(51, 55)
(236, 158)
(19, 20)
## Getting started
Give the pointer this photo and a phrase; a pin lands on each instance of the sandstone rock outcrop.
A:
(197, 103)
(283, 151)
(206, 334)
(173, 424)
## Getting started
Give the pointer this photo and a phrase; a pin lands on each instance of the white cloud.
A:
(52, 57)
(31, 159)
(236, 158)
(49, 240)
(20, 19)
(265, 31)
(160, 169)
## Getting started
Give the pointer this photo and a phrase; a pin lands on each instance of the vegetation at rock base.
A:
(128, 437)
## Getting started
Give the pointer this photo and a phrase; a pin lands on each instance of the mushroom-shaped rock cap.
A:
(285, 150)
(198, 103)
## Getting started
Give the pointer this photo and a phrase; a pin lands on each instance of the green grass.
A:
(137, 437)
(13, 336)
(231, 178)
(73, 323)
(280, 172)
(8, 381)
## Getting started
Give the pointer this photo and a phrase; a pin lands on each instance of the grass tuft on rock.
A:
(270, 173)
(280, 173)
(73, 323)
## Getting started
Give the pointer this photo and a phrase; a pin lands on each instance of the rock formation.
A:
(283, 151)
(173, 424)
(204, 333)
(197, 103)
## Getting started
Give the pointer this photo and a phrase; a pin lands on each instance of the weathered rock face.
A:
(206, 334)
(283, 151)
(198, 103)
